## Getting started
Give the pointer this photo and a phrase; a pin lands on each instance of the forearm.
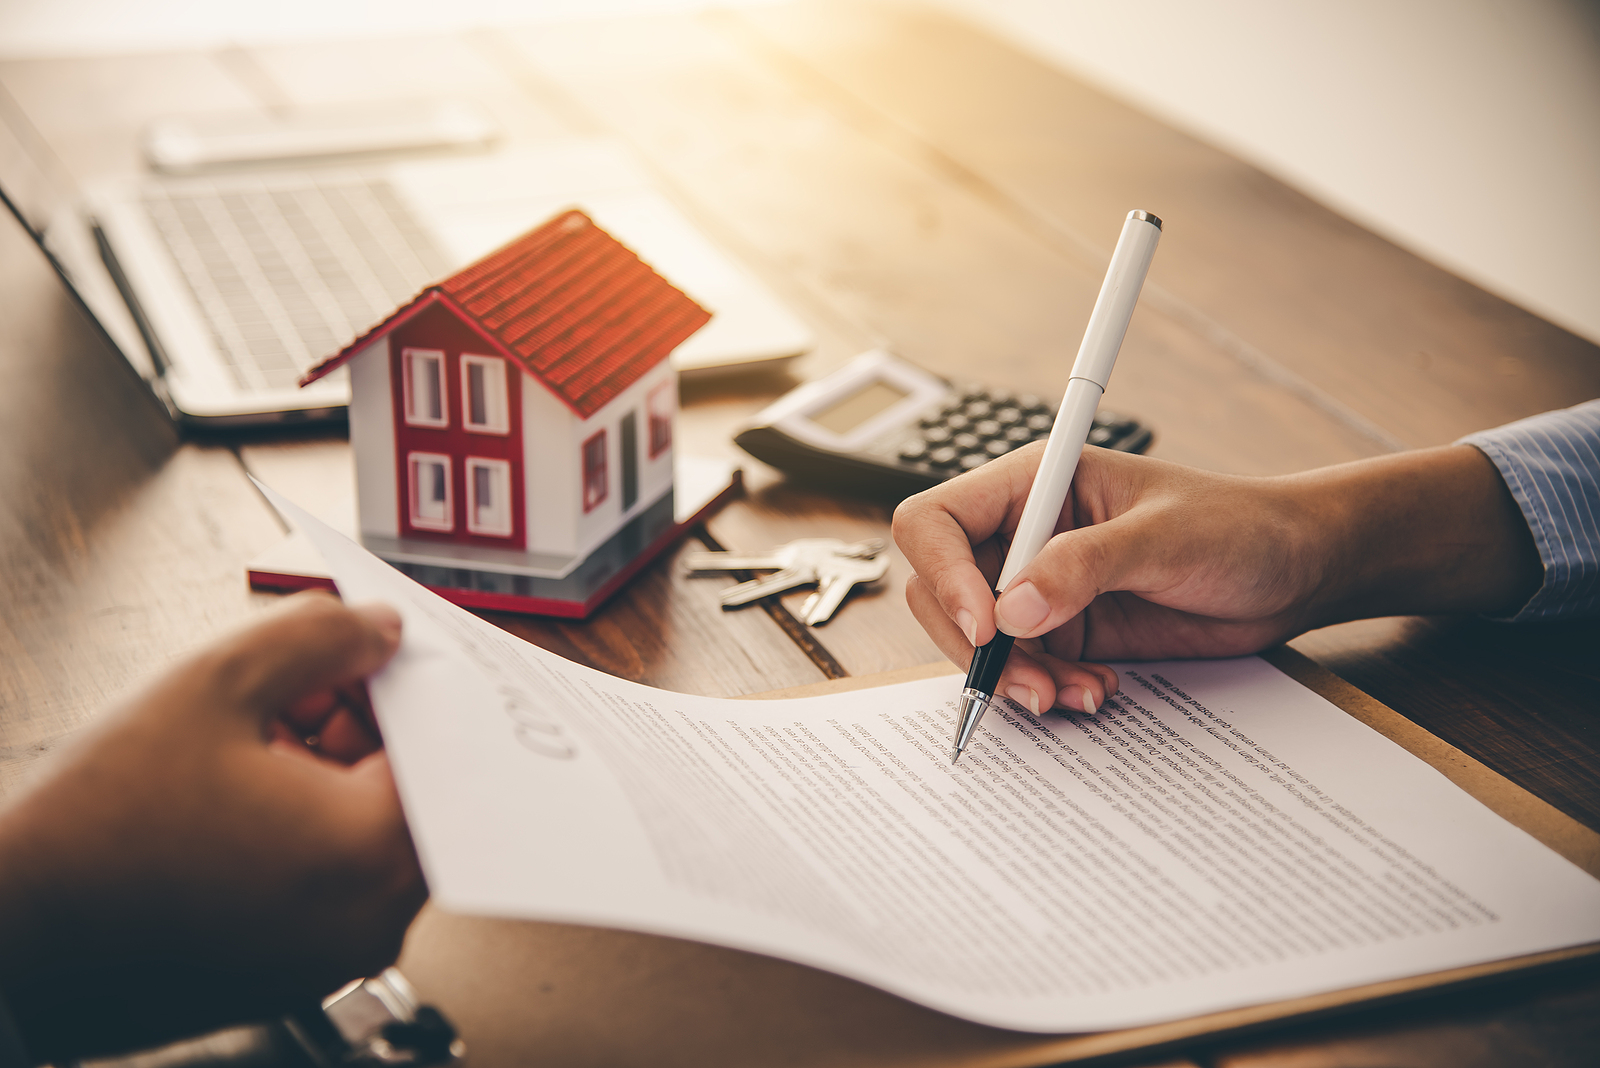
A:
(1427, 532)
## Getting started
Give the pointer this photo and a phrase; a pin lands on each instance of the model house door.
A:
(629, 435)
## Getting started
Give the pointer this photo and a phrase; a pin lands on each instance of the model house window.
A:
(659, 407)
(594, 471)
(489, 497)
(430, 491)
(484, 406)
(424, 387)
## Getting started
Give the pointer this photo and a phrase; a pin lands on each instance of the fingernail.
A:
(1020, 609)
(385, 618)
(1024, 695)
(968, 625)
(1088, 702)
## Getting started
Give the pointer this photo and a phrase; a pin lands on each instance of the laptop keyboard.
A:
(288, 271)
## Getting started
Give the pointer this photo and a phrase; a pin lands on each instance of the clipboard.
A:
(564, 994)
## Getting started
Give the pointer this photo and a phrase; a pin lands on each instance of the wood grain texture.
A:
(867, 225)
(119, 547)
(1423, 354)
(1552, 1021)
(873, 630)
(1521, 699)
(581, 996)
(667, 631)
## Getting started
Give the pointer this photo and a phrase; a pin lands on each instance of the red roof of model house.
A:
(571, 304)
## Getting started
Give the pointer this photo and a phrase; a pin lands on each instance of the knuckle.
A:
(907, 515)
(948, 582)
(1078, 561)
(920, 597)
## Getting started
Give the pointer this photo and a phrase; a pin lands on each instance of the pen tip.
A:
(955, 755)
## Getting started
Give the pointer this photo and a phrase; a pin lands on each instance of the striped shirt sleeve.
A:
(1551, 464)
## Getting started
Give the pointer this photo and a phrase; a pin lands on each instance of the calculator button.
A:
(1030, 403)
(958, 422)
(966, 442)
(913, 450)
(936, 435)
(1002, 397)
(944, 456)
(1018, 435)
(1039, 424)
(988, 428)
(1100, 435)
(998, 447)
(980, 409)
(972, 460)
(933, 418)
(1009, 416)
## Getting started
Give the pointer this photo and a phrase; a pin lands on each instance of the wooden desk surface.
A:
(897, 178)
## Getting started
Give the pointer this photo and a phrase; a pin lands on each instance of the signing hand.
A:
(1155, 560)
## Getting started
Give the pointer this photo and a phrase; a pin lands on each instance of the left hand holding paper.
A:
(225, 844)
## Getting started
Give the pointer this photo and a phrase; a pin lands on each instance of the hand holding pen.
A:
(1153, 560)
(1102, 340)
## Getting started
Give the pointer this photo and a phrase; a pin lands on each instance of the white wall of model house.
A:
(372, 440)
(552, 441)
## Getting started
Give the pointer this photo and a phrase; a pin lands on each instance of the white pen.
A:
(1102, 340)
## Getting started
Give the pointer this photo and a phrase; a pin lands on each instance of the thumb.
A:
(1072, 570)
(312, 643)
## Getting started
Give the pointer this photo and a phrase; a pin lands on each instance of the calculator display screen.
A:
(851, 410)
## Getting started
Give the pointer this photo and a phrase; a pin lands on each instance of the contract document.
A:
(1216, 836)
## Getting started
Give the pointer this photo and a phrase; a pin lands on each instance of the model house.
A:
(516, 416)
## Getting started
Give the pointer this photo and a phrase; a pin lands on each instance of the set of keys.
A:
(836, 567)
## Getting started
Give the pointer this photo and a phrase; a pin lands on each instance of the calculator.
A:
(884, 427)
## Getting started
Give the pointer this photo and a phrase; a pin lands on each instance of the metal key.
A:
(797, 564)
(808, 558)
(783, 556)
(757, 588)
(836, 578)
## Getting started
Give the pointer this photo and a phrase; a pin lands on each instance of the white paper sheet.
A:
(1216, 836)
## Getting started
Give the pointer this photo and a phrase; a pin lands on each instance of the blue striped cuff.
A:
(1551, 464)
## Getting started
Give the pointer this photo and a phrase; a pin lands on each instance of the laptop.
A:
(234, 262)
